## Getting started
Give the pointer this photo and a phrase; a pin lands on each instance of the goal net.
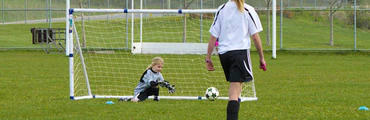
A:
(111, 53)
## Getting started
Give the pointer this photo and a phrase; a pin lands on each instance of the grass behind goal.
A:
(34, 85)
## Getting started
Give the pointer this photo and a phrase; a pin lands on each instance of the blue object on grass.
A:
(109, 102)
(363, 108)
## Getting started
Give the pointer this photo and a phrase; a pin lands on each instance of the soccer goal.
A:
(110, 55)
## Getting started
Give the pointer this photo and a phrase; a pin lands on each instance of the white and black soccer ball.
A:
(212, 93)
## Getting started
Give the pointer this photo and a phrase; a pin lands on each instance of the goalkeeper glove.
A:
(171, 88)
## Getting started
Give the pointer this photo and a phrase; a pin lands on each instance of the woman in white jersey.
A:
(149, 81)
(234, 23)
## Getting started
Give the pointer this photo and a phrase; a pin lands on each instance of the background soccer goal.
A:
(109, 56)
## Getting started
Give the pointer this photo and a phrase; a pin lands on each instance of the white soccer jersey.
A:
(144, 83)
(234, 28)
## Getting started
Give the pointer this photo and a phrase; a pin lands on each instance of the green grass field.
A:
(297, 85)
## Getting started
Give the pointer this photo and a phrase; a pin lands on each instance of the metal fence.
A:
(24, 14)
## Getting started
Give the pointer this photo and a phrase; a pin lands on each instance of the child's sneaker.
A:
(124, 99)
(156, 99)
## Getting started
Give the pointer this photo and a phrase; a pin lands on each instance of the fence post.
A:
(46, 12)
(281, 24)
(108, 17)
(162, 4)
(169, 4)
(2, 8)
(25, 16)
(213, 3)
(127, 25)
(201, 21)
(274, 29)
(88, 6)
(355, 25)
(67, 27)
(50, 25)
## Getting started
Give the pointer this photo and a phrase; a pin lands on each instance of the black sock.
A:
(233, 110)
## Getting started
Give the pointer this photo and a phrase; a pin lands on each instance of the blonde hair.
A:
(156, 61)
(240, 5)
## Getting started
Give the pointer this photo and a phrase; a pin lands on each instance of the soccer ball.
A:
(212, 93)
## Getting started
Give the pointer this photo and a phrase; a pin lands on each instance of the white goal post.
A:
(117, 52)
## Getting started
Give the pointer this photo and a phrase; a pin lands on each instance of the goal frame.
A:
(70, 36)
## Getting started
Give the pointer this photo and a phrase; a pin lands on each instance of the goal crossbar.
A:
(180, 11)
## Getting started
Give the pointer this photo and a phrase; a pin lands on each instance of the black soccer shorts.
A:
(237, 66)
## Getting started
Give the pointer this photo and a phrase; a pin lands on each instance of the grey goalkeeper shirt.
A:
(144, 83)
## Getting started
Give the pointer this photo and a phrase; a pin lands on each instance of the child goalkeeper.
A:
(149, 83)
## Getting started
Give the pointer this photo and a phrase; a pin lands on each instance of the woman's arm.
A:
(257, 42)
(211, 45)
